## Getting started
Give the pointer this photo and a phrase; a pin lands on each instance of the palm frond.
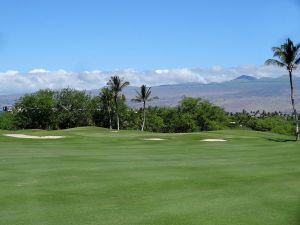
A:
(276, 49)
(286, 54)
(124, 84)
(275, 62)
(148, 93)
(138, 97)
(106, 95)
(279, 53)
(143, 95)
(116, 85)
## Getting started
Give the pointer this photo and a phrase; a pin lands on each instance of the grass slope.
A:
(94, 177)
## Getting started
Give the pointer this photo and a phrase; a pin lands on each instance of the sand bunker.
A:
(214, 140)
(154, 139)
(32, 137)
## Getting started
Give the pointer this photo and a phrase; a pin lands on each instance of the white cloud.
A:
(12, 82)
(39, 71)
(161, 71)
(12, 72)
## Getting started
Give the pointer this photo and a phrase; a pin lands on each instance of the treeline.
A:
(275, 122)
(68, 108)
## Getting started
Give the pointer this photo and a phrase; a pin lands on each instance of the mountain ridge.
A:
(245, 78)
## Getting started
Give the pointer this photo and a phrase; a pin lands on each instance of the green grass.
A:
(96, 177)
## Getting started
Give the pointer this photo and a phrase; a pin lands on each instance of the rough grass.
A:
(94, 177)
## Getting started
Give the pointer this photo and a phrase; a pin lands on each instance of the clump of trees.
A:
(68, 108)
(47, 109)
(262, 121)
(191, 114)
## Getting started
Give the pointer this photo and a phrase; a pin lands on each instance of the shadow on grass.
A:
(280, 140)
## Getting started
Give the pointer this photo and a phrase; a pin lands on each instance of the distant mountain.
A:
(245, 78)
(269, 94)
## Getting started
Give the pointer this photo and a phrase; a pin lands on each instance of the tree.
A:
(288, 56)
(73, 108)
(106, 97)
(206, 115)
(155, 122)
(6, 121)
(143, 96)
(116, 85)
(35, 111)
(184, 122)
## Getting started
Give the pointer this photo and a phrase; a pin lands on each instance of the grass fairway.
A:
(97, 177)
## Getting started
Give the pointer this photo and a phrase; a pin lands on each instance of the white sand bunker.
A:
(32, 137)
(153, 139)
(214, 140)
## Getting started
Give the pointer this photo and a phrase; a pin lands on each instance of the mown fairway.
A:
(97, 177)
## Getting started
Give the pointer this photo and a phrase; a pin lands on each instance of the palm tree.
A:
(107, 98)
(143, 96)
(116, 85)
(288, 57)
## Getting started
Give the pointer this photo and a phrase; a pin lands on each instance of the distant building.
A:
(7, 108)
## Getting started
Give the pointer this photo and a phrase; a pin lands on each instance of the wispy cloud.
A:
(12, 82)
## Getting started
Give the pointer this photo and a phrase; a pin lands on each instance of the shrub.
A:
(73, 108)
(35, 111)
(6, 121)
(275, 124)
(184, 123)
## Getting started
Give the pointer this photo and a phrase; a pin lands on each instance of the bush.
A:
(35, 111)
(73, 108)
(275, 124)
(6, 121)
(206, 115)
(154, 123)
(184, 123)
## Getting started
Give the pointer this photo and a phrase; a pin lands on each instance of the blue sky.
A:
(80, 43)
(145, 35)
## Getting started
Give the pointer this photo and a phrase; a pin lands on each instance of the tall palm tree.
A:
(107, 98)
(116, 85)
(288, 56)
(143, 96)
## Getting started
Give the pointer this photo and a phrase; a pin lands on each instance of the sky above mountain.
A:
(159, 41)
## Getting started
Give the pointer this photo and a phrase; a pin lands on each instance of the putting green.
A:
(93, 176)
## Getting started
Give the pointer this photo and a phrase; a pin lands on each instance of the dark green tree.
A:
(6, 121)
(206, 115)
(288, 57)
(116, 86)
(144, 96)
(73, 108)
(35, 111)
(106, 97)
